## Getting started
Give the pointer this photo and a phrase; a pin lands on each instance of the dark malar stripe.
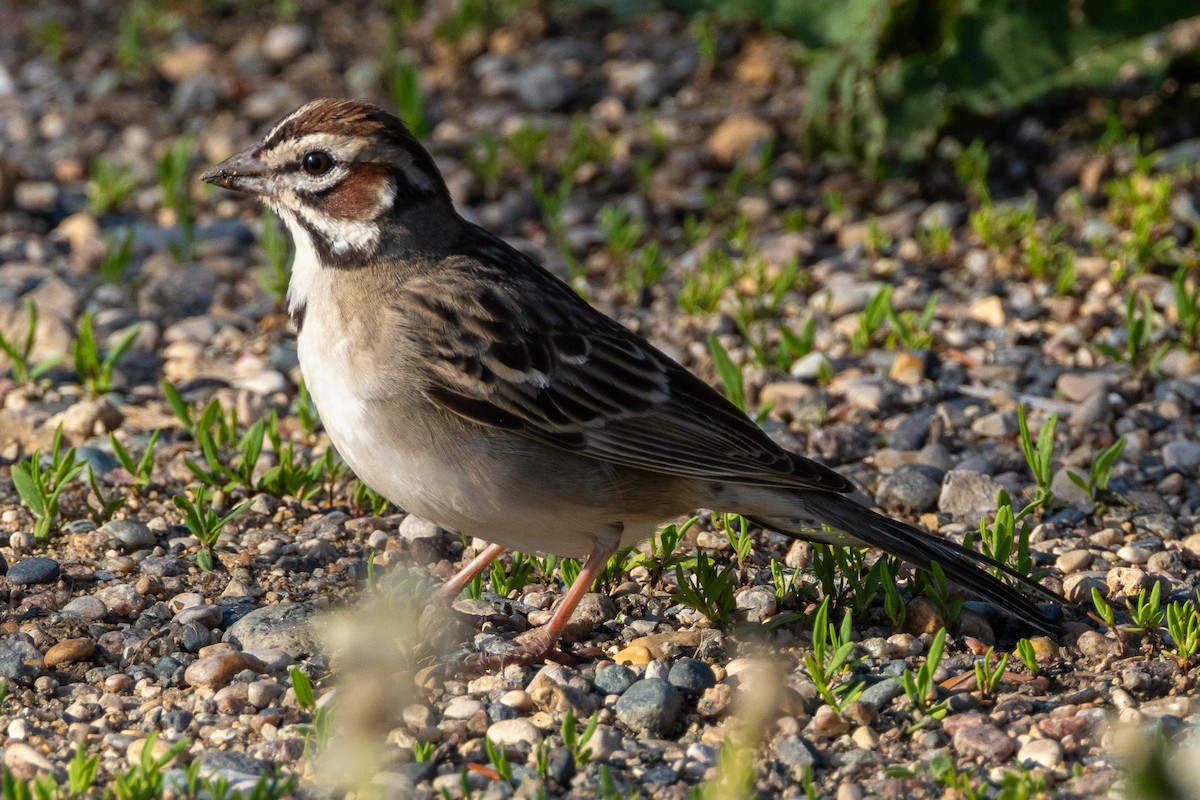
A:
(349, 259)
(297, 315)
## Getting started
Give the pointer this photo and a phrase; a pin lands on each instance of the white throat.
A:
(307, 273)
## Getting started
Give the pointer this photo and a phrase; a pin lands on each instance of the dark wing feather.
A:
(528, 355)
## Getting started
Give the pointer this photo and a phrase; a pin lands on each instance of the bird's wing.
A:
(517, 349)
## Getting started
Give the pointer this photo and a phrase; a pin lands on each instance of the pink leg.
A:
(540, 648)
(452, 587)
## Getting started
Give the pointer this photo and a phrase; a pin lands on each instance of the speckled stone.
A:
(651, 706)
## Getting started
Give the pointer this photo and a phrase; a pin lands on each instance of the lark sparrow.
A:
(468, 385)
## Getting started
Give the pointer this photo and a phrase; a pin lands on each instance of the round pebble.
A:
(87, 608)
(283, 626)
(691, 675)
(132, 534)
(69, 651)
(513, 732)
(615, 679)
(33, 570)
(216, 670)
(650, 706)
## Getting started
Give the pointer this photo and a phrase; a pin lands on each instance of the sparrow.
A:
(469, 386)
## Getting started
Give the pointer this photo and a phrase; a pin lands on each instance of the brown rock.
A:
(69, 651)
(759, 61)
(186, 60)
(737, 136)
(988, 310)
(216, 670)
(634, 654)
(665, 645)
(828, 724)
(1078, 587)
(922, 616)
(1044, 648)
(907, 368)
(83, 235)
(1059, 728)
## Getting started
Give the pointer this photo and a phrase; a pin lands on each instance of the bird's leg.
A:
(542, 647)
(452, 587)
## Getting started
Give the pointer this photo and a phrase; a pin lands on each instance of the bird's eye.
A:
(317, 162)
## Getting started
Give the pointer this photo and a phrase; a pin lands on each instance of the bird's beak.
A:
(241, 173)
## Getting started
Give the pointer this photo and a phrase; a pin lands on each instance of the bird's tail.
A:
(965, 567)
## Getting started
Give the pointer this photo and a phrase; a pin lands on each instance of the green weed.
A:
(40, 485)
(705, 588)
(177, 194)
(96, 373)
(1183, 625)
(205, 523)
(920, 688)
(19, 353)
(831, 657)
(110, 186)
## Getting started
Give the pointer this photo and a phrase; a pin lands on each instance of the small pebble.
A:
(513, 732)
(615, 679)
(650, 706)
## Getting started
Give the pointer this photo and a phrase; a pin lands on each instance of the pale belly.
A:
(497, 487)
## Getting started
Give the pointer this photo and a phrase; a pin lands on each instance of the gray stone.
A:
(1074, 560)
(936, 456)
(983, 741)
(615, 679)
(413, 527)
(880, 693)
(796, 752)
(33, 570)
(87, 607)
(162, 566)
(132, 534)
(1079, 386)
(205, 614)
(691, 675)
(1067, 491)
(14, 652)
(513, 733)
(909, 487)
(594, 609)
(967, 494)
(604, 742)
(997, 425)
(100, 461)
(284, 42)
(912, 432)
(232, 765)
(176, 290)
(1181, 456)
(650, 706)
(542, 87)
(1094, 410)
(757, 603)
(283, 626)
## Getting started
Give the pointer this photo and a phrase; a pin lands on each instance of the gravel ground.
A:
(110, 632)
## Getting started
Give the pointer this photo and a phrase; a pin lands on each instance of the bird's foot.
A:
(533, 652)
